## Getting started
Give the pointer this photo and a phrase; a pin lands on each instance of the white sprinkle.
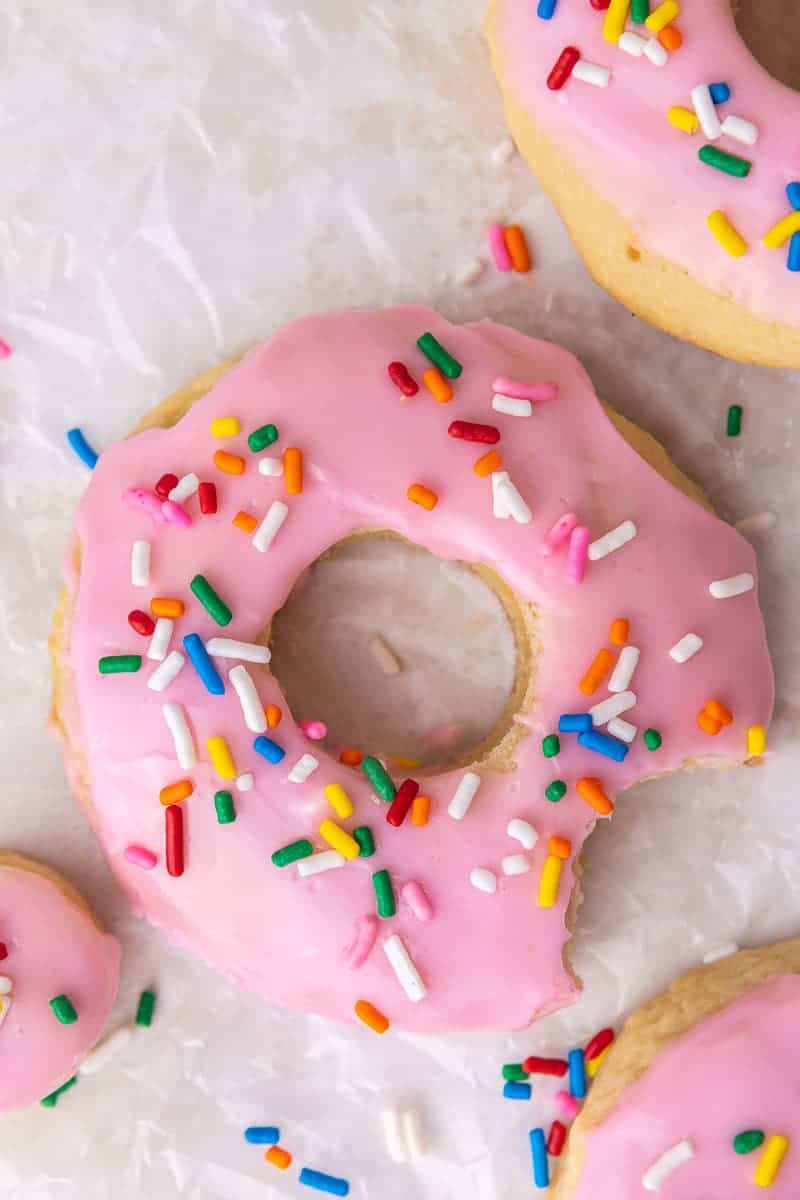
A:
(706, 111)
(140, 564)
(246, 651)
(511, 405)
(622, 729)
(522, 831)
(6, 985)
(470, 273)
(614, 706)
(403, 967)
(305, 766)
(483, 879)
(5, 1005)
(741, 130)
(270, 466)
(326, 860)
(252, 708)
(511, 500)
(757, 523)
(589, 72)
(735, 585)
(244, 783)
(463, 796)
(105, 1050)
(686, 648)
(162, 636)
(671, 1159)
(503, 152)
(384, 657)
(265, 534)
(175, 716)
(631, 43)
(393, 1135)
(624, 668)
(412, 1128)
(499, 503)
(185, 488)
(723, 951)
(515, 864)
(164, 674)
(655, 52)
(613, 540)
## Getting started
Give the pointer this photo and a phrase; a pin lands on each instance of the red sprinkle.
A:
(165, 485)
(3, 951)
(556, 1138)
(173, 816)
(469, 431)
(401, 805)
(400, 377)
(141, 622)
(207, 495)
(599, 4)
(597, 1045)
(545, 1066)
(563, 68)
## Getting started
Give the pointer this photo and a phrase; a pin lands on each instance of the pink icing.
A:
(486, 960)
(620, 137)
(730, 1073)
(54, 948)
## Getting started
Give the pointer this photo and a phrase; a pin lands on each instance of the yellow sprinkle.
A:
(756, 739)
(548, 884)
(224, 427)
(771, 1160)
(729, 238)
(339, 839)
(662, 16)
(221, 758)
(683, 119)
(780, 233)
(593, 1064)
(339, 800)
(615, 18)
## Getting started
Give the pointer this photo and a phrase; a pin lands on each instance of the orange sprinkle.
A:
(719, 712)
(619, 631)
(278, 1157)
(422, 496)
(273, 714)
(372, 1017)
(166, 606)
(351, 757)
(517, 248)
(560, 847)
(173, 793)
(407, 764)
(437, 385)
(231, 464)
(487, 463)
(708, 724)
(671, 38)
(420, 810)
(591, 790)
(293, 470)
(245, 520)
(602, 664)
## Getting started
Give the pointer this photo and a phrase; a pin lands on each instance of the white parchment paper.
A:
(179, 179)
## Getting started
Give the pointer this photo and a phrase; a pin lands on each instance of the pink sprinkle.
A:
(525, 391)
(416, 898)
(498, 248)
(141, 857)
(149, 501)
(559, 533)
(176, 514)
(568, 1105)
(577, 554)
(5, 349)
(364, 937)
(315, 730)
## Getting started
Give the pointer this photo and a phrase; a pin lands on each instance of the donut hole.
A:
(771, 31)
(403, 654)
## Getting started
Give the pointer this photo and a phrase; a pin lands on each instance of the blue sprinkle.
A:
(546, 9)
(793, 260)
(262, 1135)
(541, 1170)
(82, 448)
(793, 194)
(577, 1074)
(574, 723)
(514, 1090)
(324, 1183)
(603, 743)
(198, 656)
(270, 750)
(720, 92)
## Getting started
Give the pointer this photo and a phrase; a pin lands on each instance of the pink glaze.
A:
(487, 961)
(620, 137)
(732, 1072)
(54, 948)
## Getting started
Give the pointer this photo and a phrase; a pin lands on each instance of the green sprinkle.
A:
(379, 777)
(734, 420)
(551, 745)
(436, 352)
(214, 606)
(292, 852)
(119, 664)
(747, 1141)
(555, 790)
(640, 11)
(262, 437)
(144, 1011)
(514, 1073)
(64, 1010)
(731, 164)
(652, 739)
(384, 894)
(226, 811)
(51, 1100)
(366, 841)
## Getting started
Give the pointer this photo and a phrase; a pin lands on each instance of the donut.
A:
(670, 155)
(698, 1095)
(58, 981)
(316, 883)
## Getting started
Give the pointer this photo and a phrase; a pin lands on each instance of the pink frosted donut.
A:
(58, 981)
(283, 898)
(672, 157)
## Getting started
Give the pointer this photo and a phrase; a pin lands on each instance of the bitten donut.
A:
(698, 1097)
(671, 156)
(640, 646)
(58, 981)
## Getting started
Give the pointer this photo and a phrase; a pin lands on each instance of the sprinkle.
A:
(404, 968)
(81, 447)
(401, 378)
(577, 1074)
(379, 778)
(683, 119)
(514, 1073)
(167, 606)
(706, 111)
(567, 1104)
(555, 791)
(652, 739)
(555, 1067)
(720, 92)
(160, 640)
(170, 669)
(360, 948)
(140, 564)
(437, 385)
(272, 467)
(632, 44)
(262, 437)
(140, 498)
(417, 900)
(64, 1010)
(487, 464)
(401, 804)
(224, 808)
(614, 706)
(556, 1138)
(511, 406)
(473, 431)
(592, 73)
(174, 793)
(423, 496)
(686, 648)
(598, 1044)
(105, 1050)
(623, 671)
(541, 1169)
(372, 1017)
(517, 1090)
(324, 1183)
(517, 248)
(175, 514)
(51, 1100)
(292, 852)
(725, 233)
(245, 783)
(484, 880)
(499, 505)
(245, 520)
(223, 427)
(252, 709)
(561, 847)
(740, 130)
(498, 248)
(793, 194)
(601, 743)
(293, 470)
(549, 881)
(591, 790)
(735, 585)
(351, 757)
(262, 1135)
(221, 757)
(576, 554)
(437, 354)
(276, 1156)
(663, 15)
(247, 651)
(524, 391)
(267, 530)
(165, 485)
(793, 260)
(420, 810)
(522, 832)
(341, 841)
(119, 664)
(231, 464)
(562, 68)
(559, 533)
(621, 729)
(615, 18)
(339, 800)
(316, 864)
(640, 11)
(512, 501)
(140, 622)
(756, 739)
(574, 723)
(384, 893)
(780, 233)
(729, 164)
(545, 9)
(173, 818)
(268, 749)
(748, 1140)
(274, 715)
(613, 540)
(184, 489)
(551, 746)
(198, 656)
(140, 856)
(463, 796)
(211, 602)
(594, 1066)
(671, 38)
(669, 1161)
(596, 673)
